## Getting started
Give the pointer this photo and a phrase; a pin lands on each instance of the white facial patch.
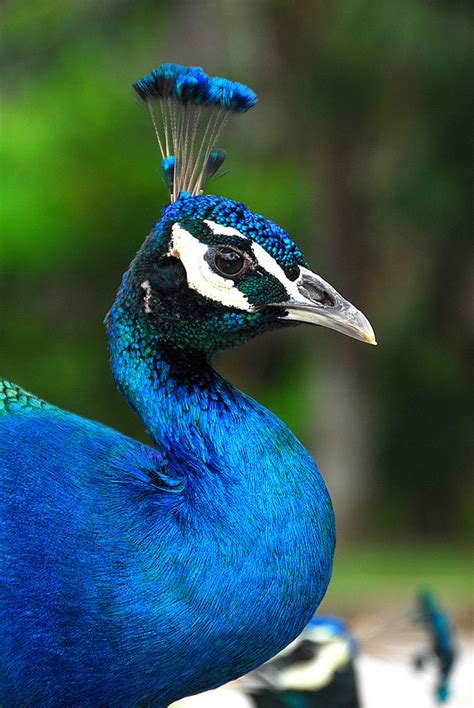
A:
(205, 281)
(220, 230)
(201, 277)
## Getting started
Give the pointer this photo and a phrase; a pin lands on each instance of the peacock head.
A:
(212, 273)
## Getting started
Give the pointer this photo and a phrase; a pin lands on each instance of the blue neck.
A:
(252, 538)
(192, 414)
(180, 398)
(208, 427)
(253, 495)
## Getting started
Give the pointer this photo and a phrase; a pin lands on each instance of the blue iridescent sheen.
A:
(136, 574)
(185, 83)
(230, 95)
(144, 574)
(191, 84)
(272, 237)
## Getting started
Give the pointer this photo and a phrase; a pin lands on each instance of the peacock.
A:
(134, 574)
(442, 649)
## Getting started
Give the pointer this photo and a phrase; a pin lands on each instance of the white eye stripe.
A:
(220, 230)
(264, 259)
(270, 265)
(204, 280)
(200, 276)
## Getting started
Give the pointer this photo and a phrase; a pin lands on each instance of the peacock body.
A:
(135, 574)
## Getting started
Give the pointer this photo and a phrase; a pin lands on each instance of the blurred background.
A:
(359, 147)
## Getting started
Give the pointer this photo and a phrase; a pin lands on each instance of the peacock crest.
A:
(194, 109)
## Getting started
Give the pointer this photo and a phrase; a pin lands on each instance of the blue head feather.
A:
(272, 237)
(230, 95)
(335, 625)
(185, 83)
(192, 84)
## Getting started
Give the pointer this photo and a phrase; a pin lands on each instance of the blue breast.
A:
(132, 573)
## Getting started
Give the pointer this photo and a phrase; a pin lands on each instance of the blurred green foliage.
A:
(379, 578)
(359, 148)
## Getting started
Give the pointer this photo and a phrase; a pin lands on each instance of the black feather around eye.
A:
(167, 275)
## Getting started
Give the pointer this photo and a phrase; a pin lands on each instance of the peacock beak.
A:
(314, 301)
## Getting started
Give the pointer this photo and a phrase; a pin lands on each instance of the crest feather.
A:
(194, 109)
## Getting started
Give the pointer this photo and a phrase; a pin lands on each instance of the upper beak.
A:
(313, 300)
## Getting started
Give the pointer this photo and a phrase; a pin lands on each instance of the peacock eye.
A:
(229, 261)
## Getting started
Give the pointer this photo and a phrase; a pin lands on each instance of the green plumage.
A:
(14, 399)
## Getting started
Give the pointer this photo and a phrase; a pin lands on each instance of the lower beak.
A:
(314, 301)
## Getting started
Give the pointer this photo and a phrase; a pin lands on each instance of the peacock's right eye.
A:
(229, 262)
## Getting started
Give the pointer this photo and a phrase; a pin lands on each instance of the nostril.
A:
(317, 294)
